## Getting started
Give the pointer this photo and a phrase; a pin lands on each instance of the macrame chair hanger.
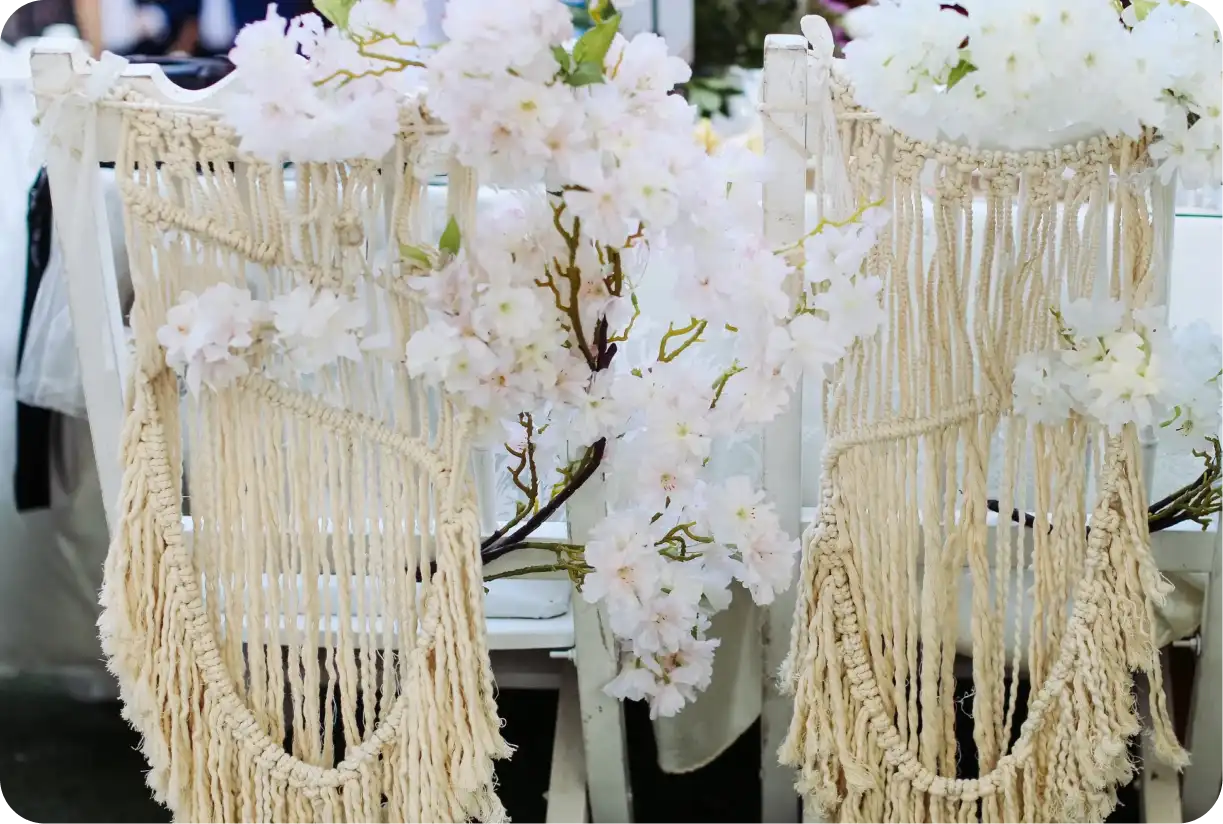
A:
(918, 418)
(300, 636)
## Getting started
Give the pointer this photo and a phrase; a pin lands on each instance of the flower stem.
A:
(825, 223)
(693, 329)
(532, 570)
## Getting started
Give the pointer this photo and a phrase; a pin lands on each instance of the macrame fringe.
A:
(431, 759)
(853, 761)
(261, 694)
(916, 416)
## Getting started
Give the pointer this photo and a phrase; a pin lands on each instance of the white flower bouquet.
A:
(1019, 76)
(535, 319)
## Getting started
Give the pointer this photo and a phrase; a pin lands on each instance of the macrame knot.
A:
(430, 612)
(348, 229)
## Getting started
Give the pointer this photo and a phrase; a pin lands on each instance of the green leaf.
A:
(601, 8)
(592, 46)
(585, 74)
(1142, 8)
(415, 253)
(708, 102)
(336, 11)
(562, 59)
(450, 238)
(961, 70)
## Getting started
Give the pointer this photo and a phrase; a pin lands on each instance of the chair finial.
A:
(815, 29)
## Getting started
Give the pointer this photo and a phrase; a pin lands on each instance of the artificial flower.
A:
(207, 336)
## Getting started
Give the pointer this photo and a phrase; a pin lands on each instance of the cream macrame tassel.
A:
(916, 418)
(314, 648)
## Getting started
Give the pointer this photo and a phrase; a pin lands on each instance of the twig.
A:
(693, 329)
(1196, 501)
(825, 223)
(526, 463)
(719, 385)
(491, 549)
(531, 570)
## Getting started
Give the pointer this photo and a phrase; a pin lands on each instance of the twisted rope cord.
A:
(826, 544)
(910, 414)
(196, 636)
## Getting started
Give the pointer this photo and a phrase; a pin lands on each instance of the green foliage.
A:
(336, 11)
(961, 70)
(451, 239)
(415, 254)
(731, 32)
(593, 45)
(711, 95)
(582, 19)
(585, 74)
(585, 65)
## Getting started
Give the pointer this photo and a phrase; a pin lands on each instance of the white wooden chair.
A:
(589, 762)
(787, 129)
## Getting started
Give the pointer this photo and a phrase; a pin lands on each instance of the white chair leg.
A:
(598, 661)
(567, 781)
(607, 774)
(1203, 776)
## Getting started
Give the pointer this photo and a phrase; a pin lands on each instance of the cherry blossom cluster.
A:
(1190, 138)
(212, 338)
(1020, 75)
(1119, 368)
(494, 337)
(546, 314)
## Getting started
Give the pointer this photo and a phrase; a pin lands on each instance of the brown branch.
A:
(501, 544)
(1196, 501)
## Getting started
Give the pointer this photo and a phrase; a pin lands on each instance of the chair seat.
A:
(520, 614)
(1178, 617)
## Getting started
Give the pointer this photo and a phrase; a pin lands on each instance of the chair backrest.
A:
(783, 100)
(784, 114)
(332, 509)
(62, 70)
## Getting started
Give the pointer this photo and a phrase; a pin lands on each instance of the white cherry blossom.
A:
(540, 321)
(627, 567)
(1040, 394)
(315, 328)
(206, 337)
(836, 251)
(732, 509)
(1122, 367)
